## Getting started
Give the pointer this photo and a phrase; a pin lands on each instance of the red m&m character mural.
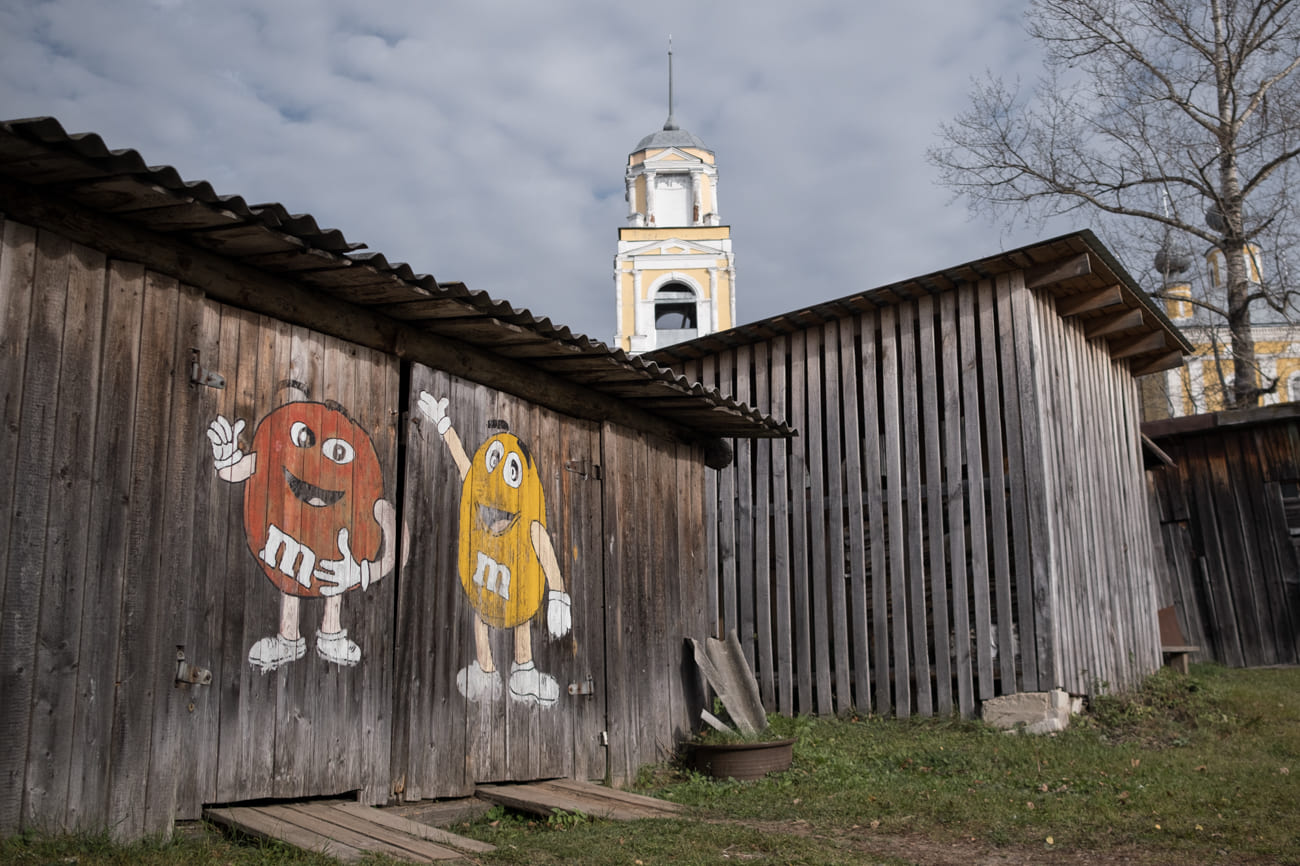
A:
(314, 518)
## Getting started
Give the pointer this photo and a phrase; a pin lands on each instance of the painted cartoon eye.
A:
(513, 471)
(300, 434)
(338, 450)
(493, 455)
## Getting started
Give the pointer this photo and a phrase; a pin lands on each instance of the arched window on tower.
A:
(1293, 387)
(676, 314)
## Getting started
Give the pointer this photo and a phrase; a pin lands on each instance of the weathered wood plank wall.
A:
(960, 516)
(1228, 513)
(1102, 584)
(123, 548)
(446, 739)
(655, 595)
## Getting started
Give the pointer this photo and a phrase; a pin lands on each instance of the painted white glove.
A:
(343, 573)
(435, 411)
(225, 442)
(559, 613)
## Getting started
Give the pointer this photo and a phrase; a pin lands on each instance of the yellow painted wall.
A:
(1179, 309)
(638, 206)
(686, 233)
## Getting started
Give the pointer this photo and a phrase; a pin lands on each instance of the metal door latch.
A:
(586, 687)
(200, 376)
(187, 674)
(584, 468)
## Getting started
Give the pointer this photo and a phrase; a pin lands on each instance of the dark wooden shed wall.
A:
(1228, 512)
(123, 548)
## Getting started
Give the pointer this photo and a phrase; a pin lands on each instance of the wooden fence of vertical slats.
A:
(1228, 516)
(961, 515)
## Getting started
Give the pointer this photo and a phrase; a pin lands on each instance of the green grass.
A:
(1199, 769)
(1188, 769)
(201, 845)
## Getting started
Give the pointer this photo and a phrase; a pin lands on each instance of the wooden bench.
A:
(1173, 646)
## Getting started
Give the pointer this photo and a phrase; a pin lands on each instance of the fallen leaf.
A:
(1123, 795)
(1285, 771)
(1135, 762)
(1157, 826)
(1199, 827)
(875, 825)
(1043, 787)
(1049, 841)
(1201, 769)
(1029, 805)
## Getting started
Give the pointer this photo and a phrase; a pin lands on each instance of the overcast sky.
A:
(486, 141)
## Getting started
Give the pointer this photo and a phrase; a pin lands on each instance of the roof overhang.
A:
(46, 172)
(1086, 282)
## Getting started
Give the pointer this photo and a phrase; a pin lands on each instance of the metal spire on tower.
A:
(670, 123)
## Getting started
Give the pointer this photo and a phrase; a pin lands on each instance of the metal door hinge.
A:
(586, 687)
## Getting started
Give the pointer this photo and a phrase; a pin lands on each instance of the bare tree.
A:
(1172, 120)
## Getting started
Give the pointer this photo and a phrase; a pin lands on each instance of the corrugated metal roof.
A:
(80, 168)
(1041, 262)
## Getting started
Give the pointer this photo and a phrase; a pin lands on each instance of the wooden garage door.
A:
(500, 667)
(291, 599)
(127, 557)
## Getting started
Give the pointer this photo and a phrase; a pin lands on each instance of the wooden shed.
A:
(285, 519)
(963, 513)
(1228, 507)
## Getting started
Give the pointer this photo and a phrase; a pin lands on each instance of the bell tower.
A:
(674, 274)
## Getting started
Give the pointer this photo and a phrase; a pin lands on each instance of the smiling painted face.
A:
(317, 472)
(500, 501)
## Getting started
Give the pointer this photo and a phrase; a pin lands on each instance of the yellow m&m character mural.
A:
(506, 560)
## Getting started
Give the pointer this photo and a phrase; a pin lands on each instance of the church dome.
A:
(671, 136)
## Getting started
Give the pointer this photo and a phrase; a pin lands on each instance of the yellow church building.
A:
(674, 272)
(1201, 384)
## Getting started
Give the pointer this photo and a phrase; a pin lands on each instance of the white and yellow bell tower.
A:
(674, 274)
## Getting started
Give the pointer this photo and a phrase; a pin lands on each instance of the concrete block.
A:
(1031, 712)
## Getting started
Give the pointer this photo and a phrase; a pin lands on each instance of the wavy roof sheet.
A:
(80, 168)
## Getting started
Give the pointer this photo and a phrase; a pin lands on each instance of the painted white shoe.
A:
(335, 647)
(477, 684)
(528, 685)
(270, 653)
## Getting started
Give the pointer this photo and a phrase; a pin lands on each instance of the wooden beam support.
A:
(1139, 345)
(1113, 323)
(1086, 302)
(1058, 271)
(231, 282)
(1167, 361)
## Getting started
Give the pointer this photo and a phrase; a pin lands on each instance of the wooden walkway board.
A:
(346, 830)
(596, 801)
